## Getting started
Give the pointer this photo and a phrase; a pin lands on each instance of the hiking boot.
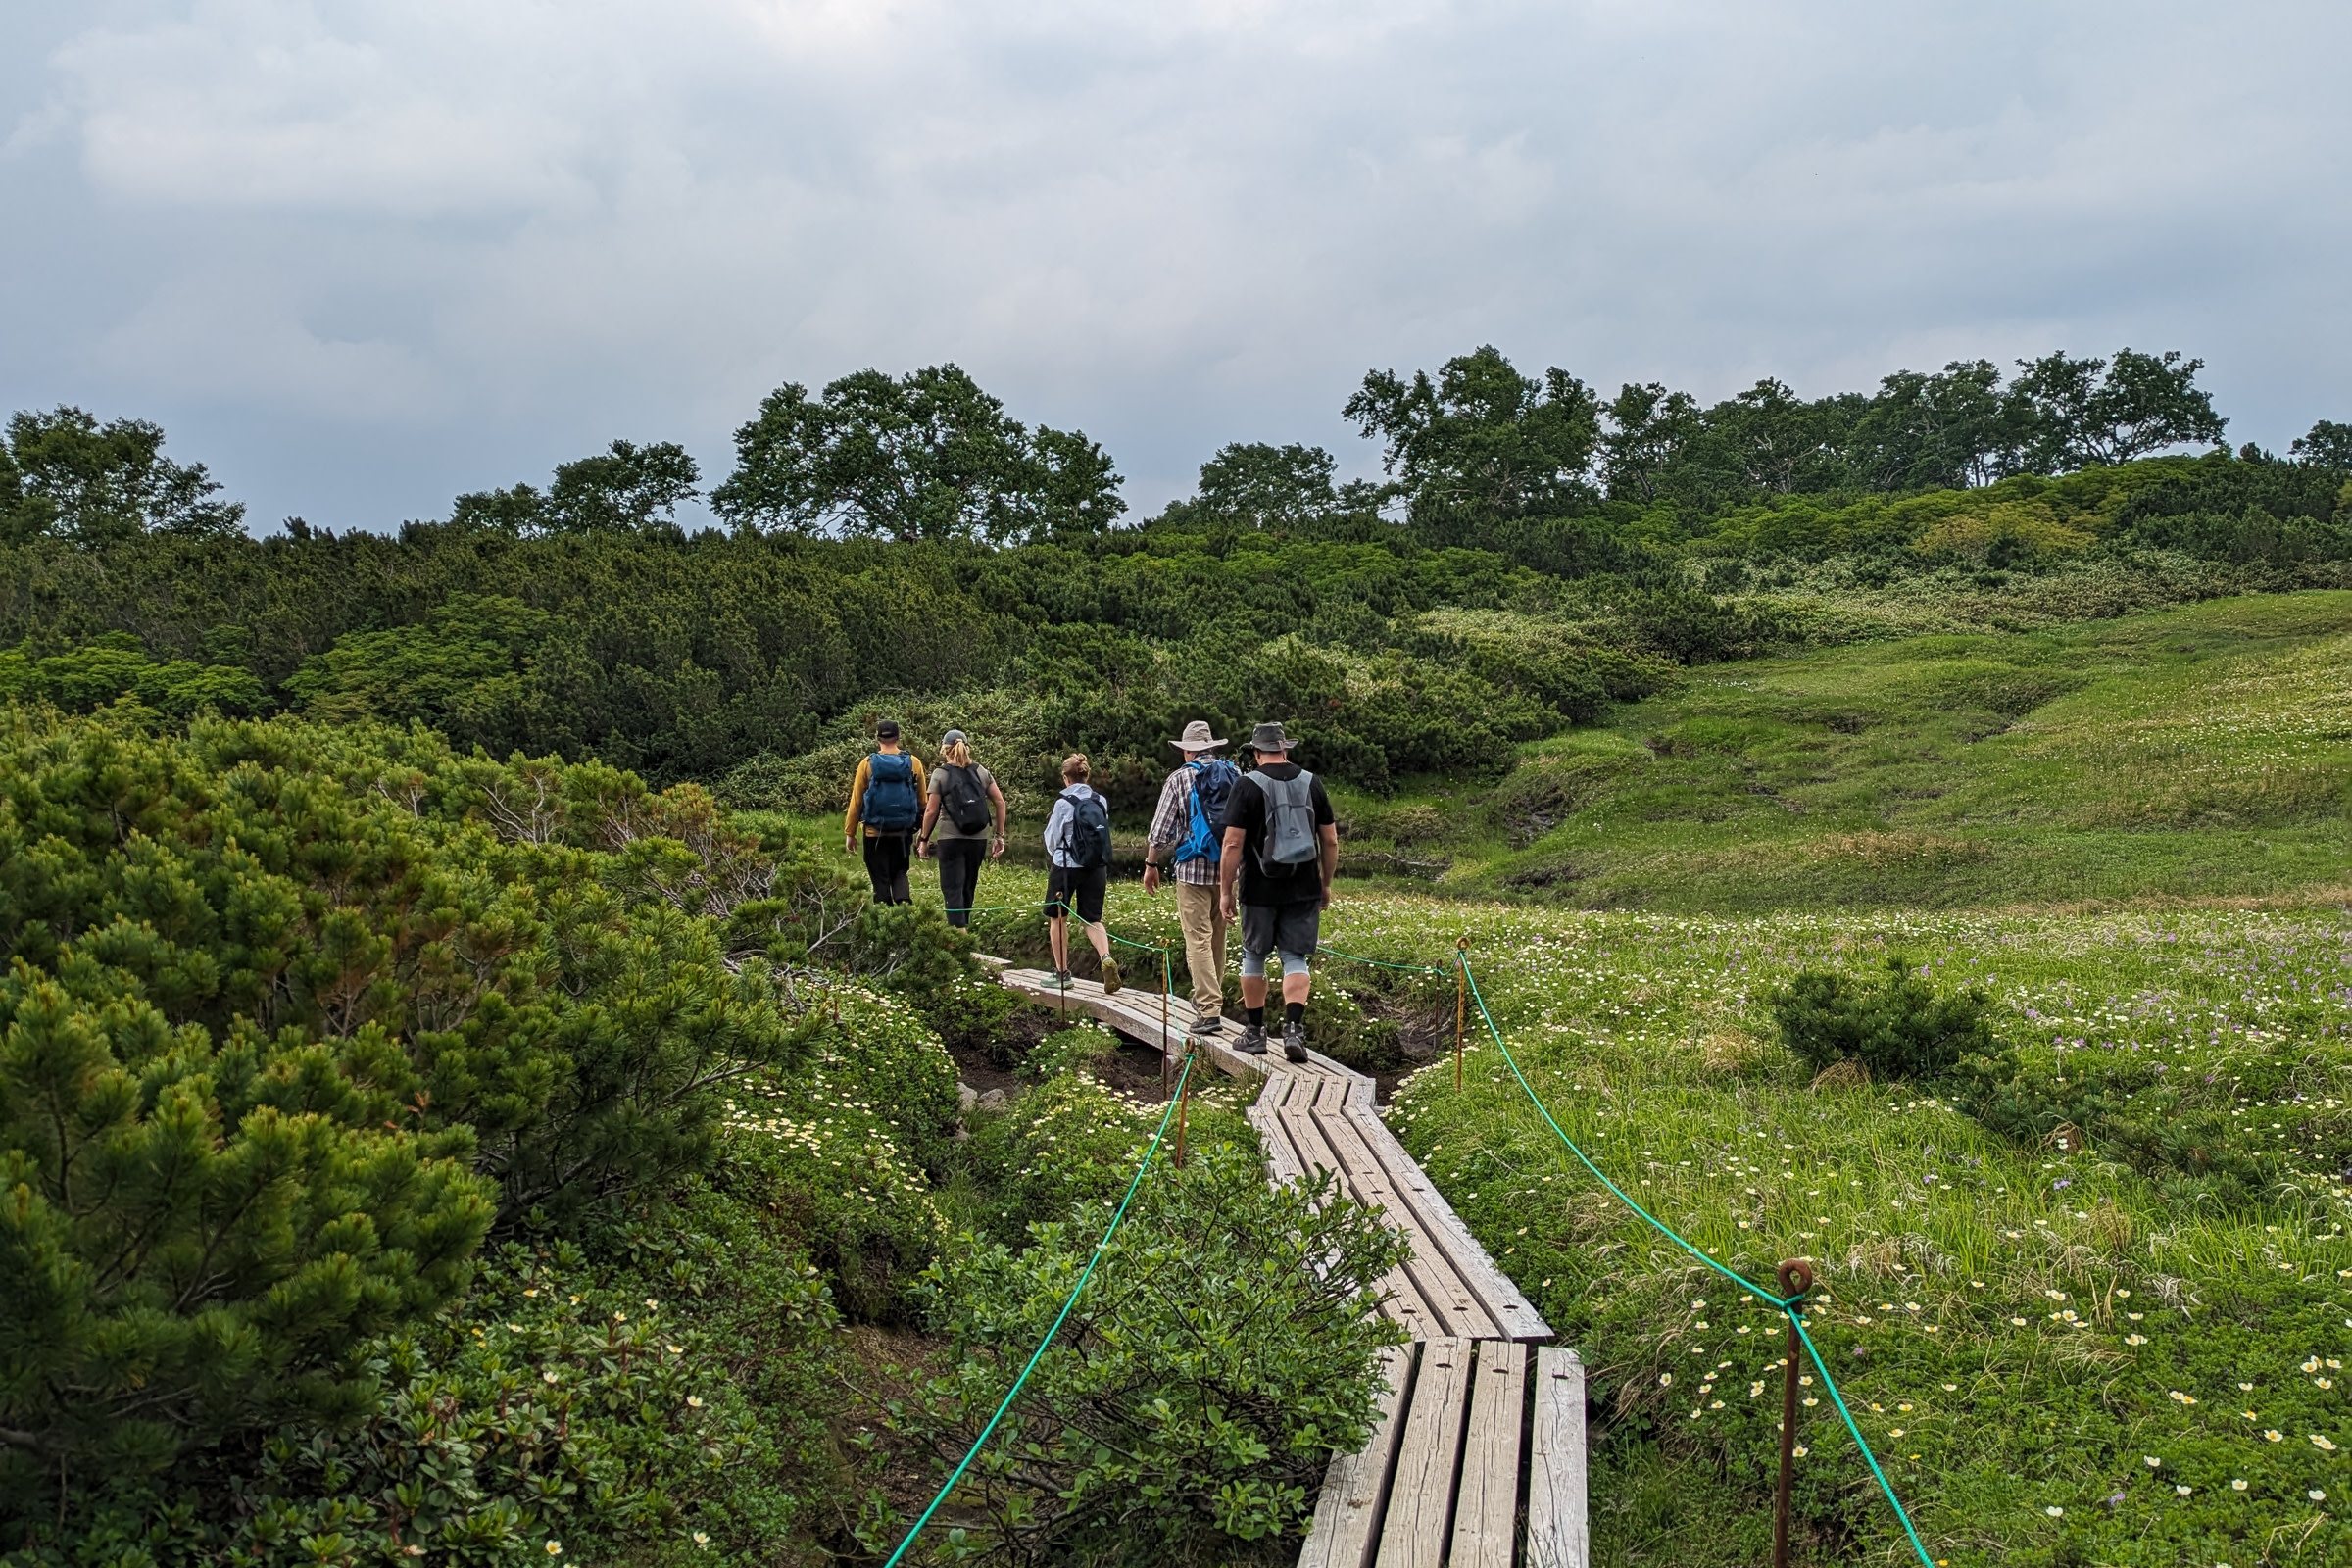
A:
(1061, 979)
(1211, 1024)
(1253, 1039)
(1111, 976)
(1293, 1041)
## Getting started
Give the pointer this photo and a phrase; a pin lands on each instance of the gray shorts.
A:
(1290, 929)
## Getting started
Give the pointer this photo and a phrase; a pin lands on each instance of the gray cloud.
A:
(361, 254)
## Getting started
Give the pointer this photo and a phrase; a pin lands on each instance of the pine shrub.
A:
(1901, 1027)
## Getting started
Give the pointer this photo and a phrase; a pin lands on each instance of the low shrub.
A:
(1066, 1143)
(660, 1388)
(884, 1054)
(1223, 1350)
(978, 1016)
(1902, 1027)
(1068, 1049)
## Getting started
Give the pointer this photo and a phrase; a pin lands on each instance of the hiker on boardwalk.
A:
(1282, 848)
(886, 800)
(1188, 835)
(960, 804)
(1078, 843)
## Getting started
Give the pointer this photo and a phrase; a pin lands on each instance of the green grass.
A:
(2199, 752)
(1949, 1258)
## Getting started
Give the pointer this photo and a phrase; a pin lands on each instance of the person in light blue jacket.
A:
(1078, 846)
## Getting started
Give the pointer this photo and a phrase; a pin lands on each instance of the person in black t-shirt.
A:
(1282, 847)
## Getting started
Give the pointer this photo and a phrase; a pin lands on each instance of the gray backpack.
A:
(1290, 838)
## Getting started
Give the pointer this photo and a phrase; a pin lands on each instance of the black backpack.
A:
(962, 798)
(1086, 841)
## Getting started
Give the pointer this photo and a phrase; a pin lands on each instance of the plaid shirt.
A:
(1169, 823)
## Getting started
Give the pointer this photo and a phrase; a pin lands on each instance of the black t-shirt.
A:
(1247, 811)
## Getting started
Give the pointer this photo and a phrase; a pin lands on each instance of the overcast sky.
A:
(360, 255)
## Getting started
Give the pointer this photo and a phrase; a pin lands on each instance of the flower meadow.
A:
(2059, 1356)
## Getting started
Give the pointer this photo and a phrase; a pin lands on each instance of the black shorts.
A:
(1291, 929)
(1082, 891)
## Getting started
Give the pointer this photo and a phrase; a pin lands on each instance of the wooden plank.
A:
(1514, 1315)
(1283, 1163)
(1556, 1531)
(1410, 1299)
(1356, 1488)
(1403, 1296)
(1421, 1497)
(1486, 1505)
(1458, 1305)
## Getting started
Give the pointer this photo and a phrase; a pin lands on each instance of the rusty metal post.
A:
(1461, 1001)
(1167, 983)
(1184, 1104)
(1795, 1281)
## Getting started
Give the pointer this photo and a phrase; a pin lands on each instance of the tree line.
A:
(1535, 553)
(931, 456)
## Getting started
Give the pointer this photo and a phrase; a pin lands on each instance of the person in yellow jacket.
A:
(886, 800)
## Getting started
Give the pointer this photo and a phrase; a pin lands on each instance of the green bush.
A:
(885, 1053)
(664, 1388)
(1902, 1027)
(116, 667)
(1068, 1143)
(273, 988)
(1222, 1353)
(1070, 1049)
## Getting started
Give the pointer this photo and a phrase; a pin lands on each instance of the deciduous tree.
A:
(2075, 413)
(65, 476)
(925, 455)
(1481, 442)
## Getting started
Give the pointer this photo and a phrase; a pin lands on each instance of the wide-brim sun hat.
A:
(1270, 738)
(1196, 738)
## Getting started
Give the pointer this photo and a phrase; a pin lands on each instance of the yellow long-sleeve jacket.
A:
(865, 773)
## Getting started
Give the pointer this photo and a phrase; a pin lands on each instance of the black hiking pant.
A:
(886, 856)
(960, 876)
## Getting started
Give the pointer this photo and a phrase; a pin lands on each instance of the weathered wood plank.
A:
(1406, 1297)
(1283, 1162)
(1421, 1497)
(1356, 1487)
(1556, 1531)
(1486, 1504)
(1514, 1315)
(1459, 1306)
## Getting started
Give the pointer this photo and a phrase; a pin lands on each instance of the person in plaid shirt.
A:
(1176, 842)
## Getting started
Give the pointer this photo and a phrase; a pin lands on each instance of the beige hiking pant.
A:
(1199, 913)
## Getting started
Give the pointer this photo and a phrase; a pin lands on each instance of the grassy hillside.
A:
(2201, 752)
(2066, 1351)
(2062, 1357)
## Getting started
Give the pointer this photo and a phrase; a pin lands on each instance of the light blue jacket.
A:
(1058, 824)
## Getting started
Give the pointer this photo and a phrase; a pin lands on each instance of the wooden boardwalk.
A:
(1466, 1462)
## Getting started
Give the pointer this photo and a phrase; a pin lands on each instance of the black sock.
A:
(1292, 1012)
(1256, 1016)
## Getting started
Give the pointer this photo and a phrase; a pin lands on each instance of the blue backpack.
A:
(1086, 840)
(1213, 790)
(891, 804)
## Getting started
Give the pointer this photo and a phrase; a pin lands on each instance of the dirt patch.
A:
(977, 1065)
(1132, 1069)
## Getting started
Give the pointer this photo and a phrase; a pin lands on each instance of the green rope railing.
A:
(1038, 1355)
(1792, 1307)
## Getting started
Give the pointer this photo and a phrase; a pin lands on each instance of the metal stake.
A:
(1461, 1001)
(1167, 982)
(1184, 1104)
(1796, 1279)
